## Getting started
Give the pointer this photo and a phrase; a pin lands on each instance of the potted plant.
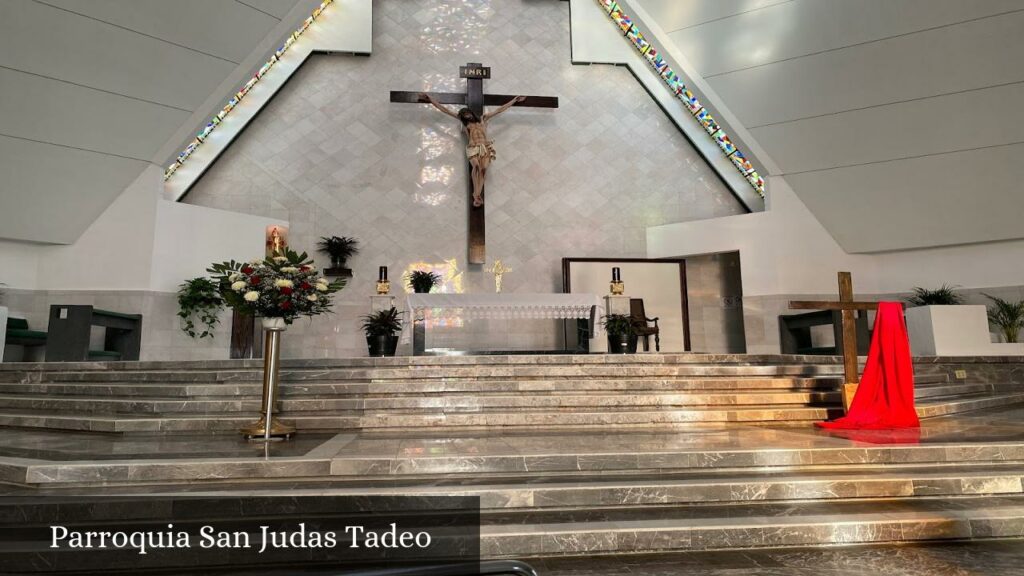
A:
(1007, 316)
(941, 296)
(382, 329)
(422, 281)
(621, 336)
(339, 249)
(936, 322)
(199, 300)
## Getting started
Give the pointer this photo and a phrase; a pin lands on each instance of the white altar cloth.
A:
(505, 306)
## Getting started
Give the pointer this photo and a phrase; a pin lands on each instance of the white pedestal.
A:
(3, 330)
(616, 305)
(381, 302)
(954, 331)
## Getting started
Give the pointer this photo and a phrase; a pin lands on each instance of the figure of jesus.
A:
(480, 150)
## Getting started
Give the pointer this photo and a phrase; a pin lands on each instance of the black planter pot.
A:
(418, 290)
(383, 345)
(621, 344)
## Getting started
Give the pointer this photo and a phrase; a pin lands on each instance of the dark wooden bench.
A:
(795, 333)
(71, 326)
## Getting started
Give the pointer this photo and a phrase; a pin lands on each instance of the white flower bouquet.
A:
(284, 287)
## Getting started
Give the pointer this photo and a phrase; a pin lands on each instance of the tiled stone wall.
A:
(333, 156)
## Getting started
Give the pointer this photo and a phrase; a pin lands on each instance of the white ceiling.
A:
(896, 121)
(92, 89)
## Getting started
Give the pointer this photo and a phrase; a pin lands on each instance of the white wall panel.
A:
(76, 49)
(223, 28)
(802, 27)
(675, 14)
(943, 200)
(975, 119)
(51, 194)
(971, 55)
(276, 7)
(47, 110)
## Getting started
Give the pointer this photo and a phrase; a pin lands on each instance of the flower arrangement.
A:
(285, 287)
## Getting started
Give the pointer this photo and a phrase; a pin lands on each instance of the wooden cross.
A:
(847, 306)
(475, 99)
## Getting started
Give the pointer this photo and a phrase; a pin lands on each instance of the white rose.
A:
(280, 259)
(252, 296)
(256, 262)
(235, 277)
(237, 286)
(282, 283)
(312, 298)
(322, 287)
(289, 269)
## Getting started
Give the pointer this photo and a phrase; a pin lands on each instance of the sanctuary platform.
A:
(569, 455)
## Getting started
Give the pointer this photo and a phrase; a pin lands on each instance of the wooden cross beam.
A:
(475, 99)
(847, 306)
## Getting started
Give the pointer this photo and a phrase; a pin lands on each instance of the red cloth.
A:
(885, 397)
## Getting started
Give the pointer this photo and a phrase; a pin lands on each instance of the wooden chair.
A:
(641, 324)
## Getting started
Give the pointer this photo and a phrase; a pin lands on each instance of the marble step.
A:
(454, 372)
(445, 403)
(815, 524)
(613, 459)
(443, 361)
(520, 418)
(430, 386)
(736, 487)
(438, 386)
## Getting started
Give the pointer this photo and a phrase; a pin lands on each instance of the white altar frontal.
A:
(510, 322)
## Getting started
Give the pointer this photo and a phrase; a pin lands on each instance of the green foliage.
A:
(1008, 316)
(423, 281)
(617, 325)
(199, 300)
(942, 296)
(339, 248)
(382, 323)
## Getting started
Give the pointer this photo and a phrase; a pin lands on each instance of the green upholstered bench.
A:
(70, 332)
(19, 334)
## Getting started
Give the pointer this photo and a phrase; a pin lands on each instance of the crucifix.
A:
(847, 306)
(479, 154)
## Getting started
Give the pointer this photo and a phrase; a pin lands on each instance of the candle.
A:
(383, 273)
(616, 274)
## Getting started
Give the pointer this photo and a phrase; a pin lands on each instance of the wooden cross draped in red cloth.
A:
(847, 306)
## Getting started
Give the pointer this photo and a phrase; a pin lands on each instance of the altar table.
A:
(509, 306)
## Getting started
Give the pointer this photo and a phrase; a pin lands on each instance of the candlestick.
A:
(382, 274)
(616, 274)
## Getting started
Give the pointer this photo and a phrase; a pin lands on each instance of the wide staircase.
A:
(449, 393)
(569, 455)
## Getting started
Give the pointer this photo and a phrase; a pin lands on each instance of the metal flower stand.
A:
(277, 430)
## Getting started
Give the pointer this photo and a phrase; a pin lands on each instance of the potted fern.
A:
(621, 336)
(1007, 316)
(937, 321)
(382, 329)
(339, 249)
(423, 281)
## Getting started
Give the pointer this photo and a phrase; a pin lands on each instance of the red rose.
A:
(306, 286)
(246, 270)
(286, 290)
(286, 305)
(305, 268)
(254, 280)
